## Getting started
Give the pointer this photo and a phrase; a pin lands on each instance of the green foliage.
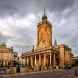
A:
(3, 45)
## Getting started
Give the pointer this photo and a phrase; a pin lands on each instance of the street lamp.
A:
(22, 57)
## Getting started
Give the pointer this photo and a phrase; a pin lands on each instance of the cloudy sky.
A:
(18, 20)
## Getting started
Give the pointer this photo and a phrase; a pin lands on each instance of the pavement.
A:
(46, 74)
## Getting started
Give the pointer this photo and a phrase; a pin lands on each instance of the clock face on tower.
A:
(44, 36)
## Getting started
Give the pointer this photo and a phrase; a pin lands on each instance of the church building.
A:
(47, 56)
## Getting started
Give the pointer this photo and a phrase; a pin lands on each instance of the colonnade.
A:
(4, 62)
(40, 59)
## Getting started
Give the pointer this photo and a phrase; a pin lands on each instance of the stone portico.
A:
(42, 59)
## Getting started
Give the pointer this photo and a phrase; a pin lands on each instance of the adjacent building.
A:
(6, 55)
(65, 55)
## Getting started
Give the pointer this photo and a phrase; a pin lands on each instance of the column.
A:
(39, 59)
(35, 60)
(44, 59)
(31, 61)
(50, 59)
(27, 61)
(3, 63)
(54, 59)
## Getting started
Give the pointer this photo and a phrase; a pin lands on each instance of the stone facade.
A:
(42, 59)
(65, 55)
(46, 56)
(6, 56)
(44, 34)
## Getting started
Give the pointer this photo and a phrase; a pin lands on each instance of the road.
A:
(53, 74)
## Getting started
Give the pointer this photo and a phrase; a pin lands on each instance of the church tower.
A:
(44, 33)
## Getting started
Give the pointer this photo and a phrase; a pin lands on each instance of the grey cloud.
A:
(23, 7)
(25, 36)
(67, 32)
(4, 38)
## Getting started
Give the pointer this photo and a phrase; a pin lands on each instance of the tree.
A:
(3, 45)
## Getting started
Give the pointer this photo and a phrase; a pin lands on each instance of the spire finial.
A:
(44, 16)
(44, 11)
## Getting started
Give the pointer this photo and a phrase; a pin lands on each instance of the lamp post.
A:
(18, 66)
(54, 59)
(22, 57)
